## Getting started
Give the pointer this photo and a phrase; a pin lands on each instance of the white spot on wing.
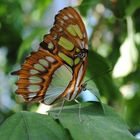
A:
(79, 76)
(70, 15)
(62, 22)
(50, 59)
(31, 95)
(65, 18)
(60, 29)
(74, 93)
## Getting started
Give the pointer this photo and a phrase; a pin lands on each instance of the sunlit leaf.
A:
(128, 59)
(133, 5)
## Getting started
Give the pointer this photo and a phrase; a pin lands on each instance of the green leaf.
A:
(97, 64)
(133, 5)
(99, 69)
(133, 106)
(97, 123)
(86, 5)
(31, 126)
(128, 59)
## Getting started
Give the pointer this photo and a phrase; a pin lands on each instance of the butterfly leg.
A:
(58, 114)
(79, 111)
(62, 105)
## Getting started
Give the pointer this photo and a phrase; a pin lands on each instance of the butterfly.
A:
(56, 70)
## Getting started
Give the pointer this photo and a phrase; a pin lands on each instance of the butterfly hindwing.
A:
(35, 75)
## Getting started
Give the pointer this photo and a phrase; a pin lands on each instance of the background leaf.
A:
(100, 70)
(86, 5)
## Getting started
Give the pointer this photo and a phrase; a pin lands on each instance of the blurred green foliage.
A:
(114, 43)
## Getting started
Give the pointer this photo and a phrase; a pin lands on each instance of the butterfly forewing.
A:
(67, 36)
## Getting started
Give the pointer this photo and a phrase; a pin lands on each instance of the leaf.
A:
(98, 69)
(133, 106)
(97, 64)
(31, 126)
(127, 58)
(86, 5)
(133, 5)
(96, 124)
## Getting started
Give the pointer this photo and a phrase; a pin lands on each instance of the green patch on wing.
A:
(65, 43)
(39, 67)
(66, 58)
(77, 60)
(71, 30)
(34, 88)
(44, 62)
(35, 79)
(75, 30)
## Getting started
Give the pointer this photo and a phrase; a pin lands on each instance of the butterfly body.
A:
(61, 57)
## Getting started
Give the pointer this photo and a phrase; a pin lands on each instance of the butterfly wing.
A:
(67, 38)
(36, 74)
(63, 51)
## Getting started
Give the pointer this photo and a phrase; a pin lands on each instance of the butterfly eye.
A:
(82, 54)
(83, 86)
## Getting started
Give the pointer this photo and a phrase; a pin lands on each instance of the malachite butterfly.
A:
(56, 70)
